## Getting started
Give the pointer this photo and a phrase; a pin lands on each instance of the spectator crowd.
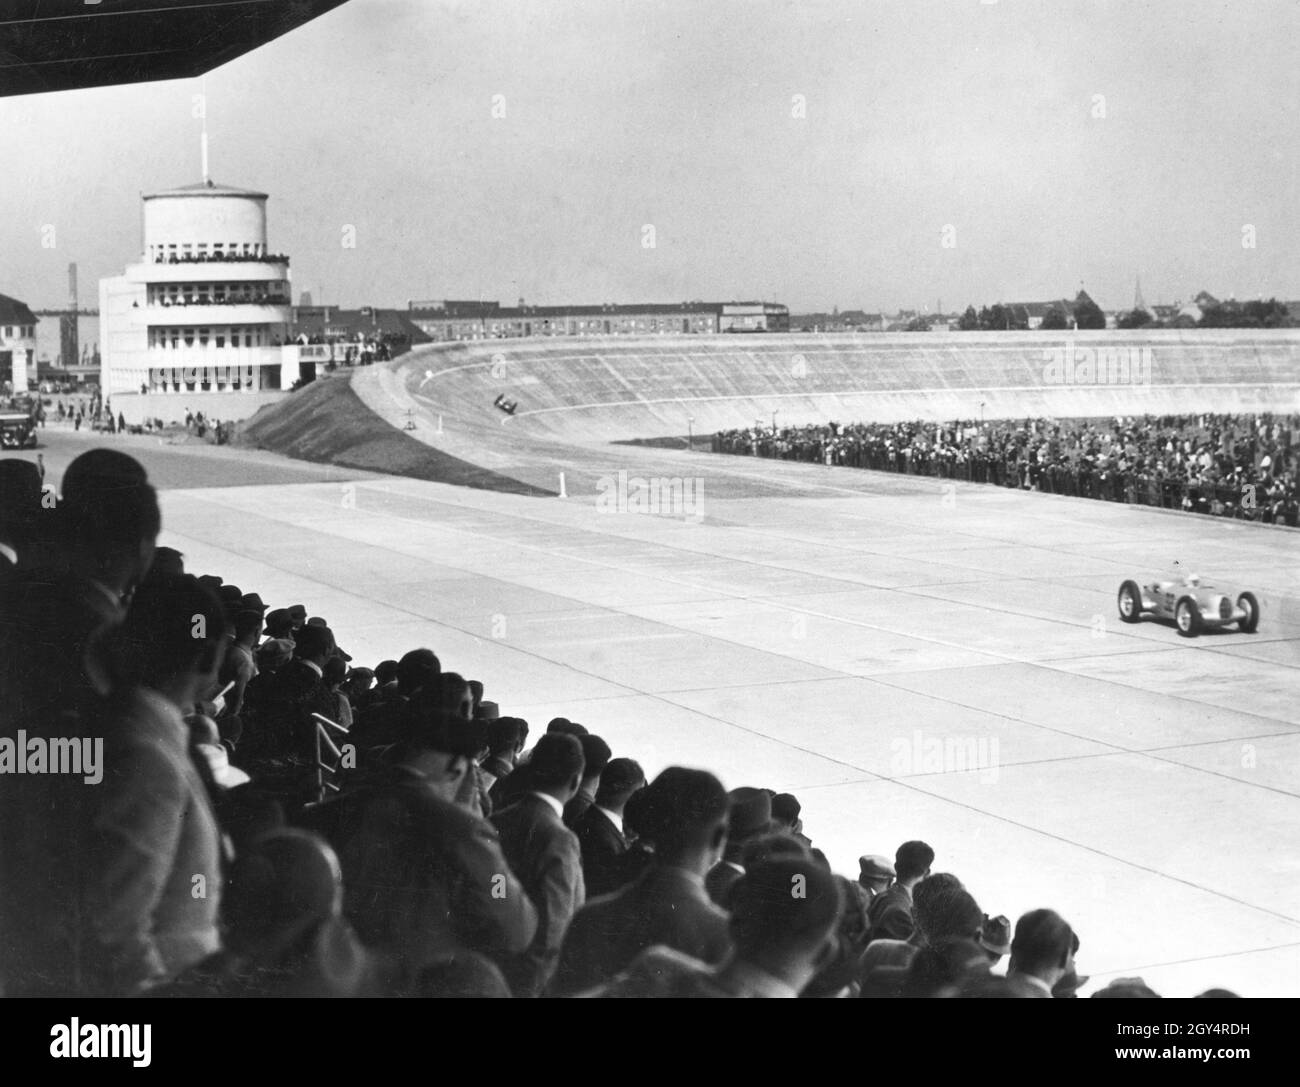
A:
(1242, 466)
(201, 795)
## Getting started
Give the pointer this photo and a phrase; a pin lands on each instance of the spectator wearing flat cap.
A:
(1042, 952)
(424, 878)
(875, 874)
(750, 818)
(684, 813)
(890, 913)
(781, 940)
(595, 754)
(600, 828)
(544, 853)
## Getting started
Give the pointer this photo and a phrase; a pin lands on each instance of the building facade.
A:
(464, 320)
(206, 310)
(17, 345)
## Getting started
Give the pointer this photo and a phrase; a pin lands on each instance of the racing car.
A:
(1191, 604)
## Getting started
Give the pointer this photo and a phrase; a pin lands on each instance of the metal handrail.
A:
(323, 727)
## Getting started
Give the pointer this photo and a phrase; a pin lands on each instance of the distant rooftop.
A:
(207, 188)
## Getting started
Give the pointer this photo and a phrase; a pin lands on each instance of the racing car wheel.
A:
(1187, 616)
(1247, 603)
(1130, 602)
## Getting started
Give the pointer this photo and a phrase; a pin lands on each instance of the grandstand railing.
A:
(327, 771)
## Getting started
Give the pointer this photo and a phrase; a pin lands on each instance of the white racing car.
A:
(1191, 605)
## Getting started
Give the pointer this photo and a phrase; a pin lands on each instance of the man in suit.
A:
(781, 940)
(1042, 953)
(684, 813)
(425, 879)
(600, 829)
(595, 754)
(545, 855)
(890, 912)
(750, 819)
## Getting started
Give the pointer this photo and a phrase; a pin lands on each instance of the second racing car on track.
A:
(1191, 605)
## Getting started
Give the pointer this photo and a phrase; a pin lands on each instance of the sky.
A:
(874, 154)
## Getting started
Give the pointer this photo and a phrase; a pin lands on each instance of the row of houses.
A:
(463, 320)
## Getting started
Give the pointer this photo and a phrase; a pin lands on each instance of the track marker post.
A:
(562, 492)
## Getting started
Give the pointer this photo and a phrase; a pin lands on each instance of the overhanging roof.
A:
(60, 45)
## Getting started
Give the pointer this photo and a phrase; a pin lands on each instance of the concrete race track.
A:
(913, 659)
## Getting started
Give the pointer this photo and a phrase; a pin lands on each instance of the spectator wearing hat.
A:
(750, 818)
(279, 624)
(595, 754)
(684, 813)
(781, 940)
(1042, 952)
(600, 828)
(424, 878)
(875, 874)
(297, 616)
(995, 938)
(890, 913)
(544, 853)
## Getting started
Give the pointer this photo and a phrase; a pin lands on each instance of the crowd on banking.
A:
(1242, 466)
(463, 854)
